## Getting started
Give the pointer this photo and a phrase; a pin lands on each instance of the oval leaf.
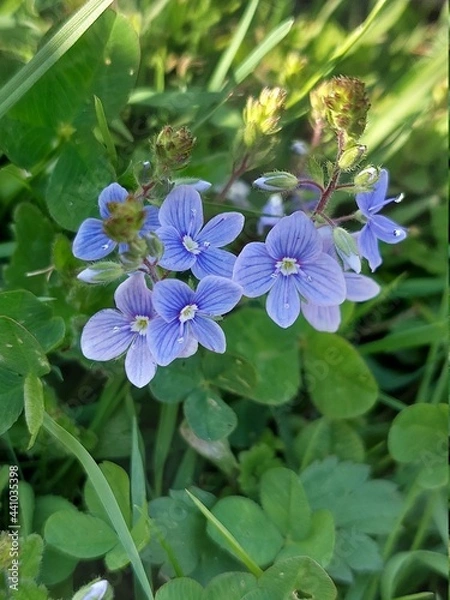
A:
(20, 352)
(209, 417)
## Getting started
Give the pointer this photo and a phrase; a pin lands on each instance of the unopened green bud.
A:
(276, 181)
(155, 247)
(173, 147)
(366, 178)
(125, 221)
(351, 157)
(343, 103)
(347, 249)
(102, 272)
(262, 115)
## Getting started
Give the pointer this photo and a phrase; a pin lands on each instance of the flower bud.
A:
(276, 181)
(351, 157)
(198, 184)
(366, 178)
(343, 103)
(173, 147)
(101, 272)
(347, 249)
(262, 115)
(99, 590)
(125, 221)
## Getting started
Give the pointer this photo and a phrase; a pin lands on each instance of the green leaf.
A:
(102, 63)
(419, 435)
(74, 185)
(340, 383)
(271, 351)
(209, 417)
(29, 590)
(324, 437)
(79, 535)
(34, 315)
(273, 38)
(175, 382)
(11, 398)
(182, 587)
(221, 70)
(230, 373)
(248, 524)
(31, 548)
(230, 586)
(105, 493)
(51, 52)
(119, 483)
(318, 544)
(21, 352)
(34, 406)
(117, 558)
(34, 235)
(301, 574)
(356, 502)
(403, 564)
(56, 567)
(285, 503)
(420, 335)
(26, 507)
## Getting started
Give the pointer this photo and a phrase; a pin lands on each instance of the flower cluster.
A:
(308, 264)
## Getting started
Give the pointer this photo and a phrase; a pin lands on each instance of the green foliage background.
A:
(315, 462)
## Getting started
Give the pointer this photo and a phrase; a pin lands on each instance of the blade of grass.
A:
(104, 130)
(221, 70)
(421, 335)
(238, 550)
(164, 435)
(248, 65)
(106, 495)
(50, 53)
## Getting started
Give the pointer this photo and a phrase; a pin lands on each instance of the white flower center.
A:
(188, 313)
(288, 266)
(191, 245)
(140, 324)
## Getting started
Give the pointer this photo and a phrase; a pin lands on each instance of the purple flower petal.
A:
(91, 243)
(369, 203)
(216, 295)
(170, 297)
(387, 230)
(176, 257)
(209, 334)
(190, 347)
(112, 193)
(360, 288)
(254, 270)
(106, 335)
(322, 318)
(140, 365)
(222, 229)
(166, 340)
(321, 282)
(133, 297)
(294, 237)
(151, 222)
(368, 246)
(283, 302)
(183, 210)
(213, 261)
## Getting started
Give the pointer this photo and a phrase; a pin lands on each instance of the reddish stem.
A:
(237, 172)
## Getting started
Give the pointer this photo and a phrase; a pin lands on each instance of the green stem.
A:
(421, 530)
(164, 436)
(106, 495)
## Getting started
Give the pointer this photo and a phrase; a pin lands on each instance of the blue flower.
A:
(92, 242)
(377, 227)
(291, 266)
(185, 315)
(358, 289)
(111, 332)
(189, 245)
